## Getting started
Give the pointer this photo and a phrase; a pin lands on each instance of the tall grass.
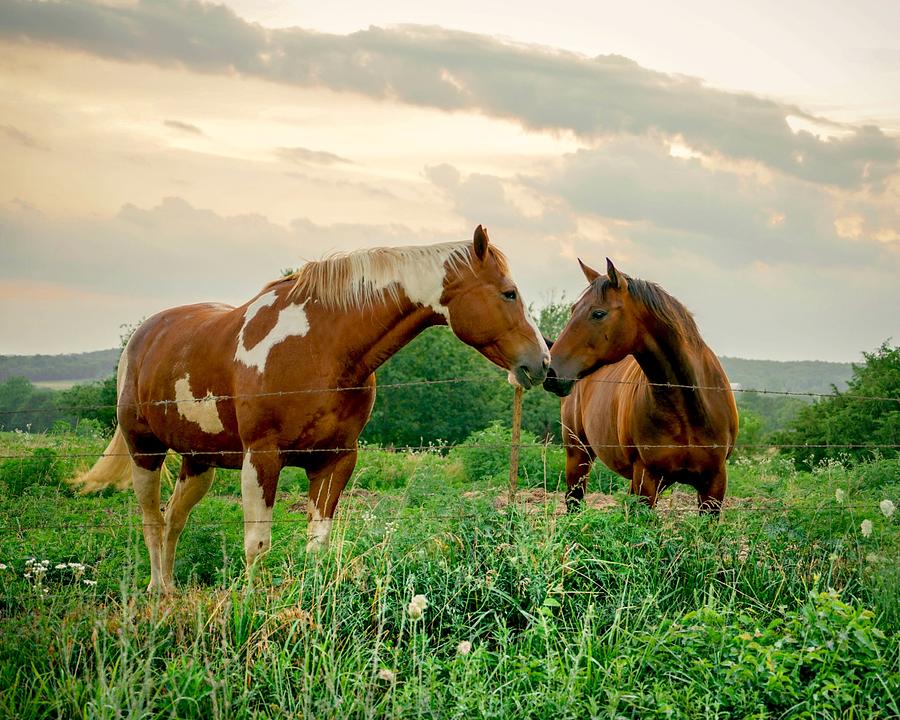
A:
(782, 609)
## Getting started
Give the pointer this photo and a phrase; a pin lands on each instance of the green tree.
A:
(842, 419)
(26, 407)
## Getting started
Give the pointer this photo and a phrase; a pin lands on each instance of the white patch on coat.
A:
(292, 321)
(319, 529)
(257, 517)
(203, 411)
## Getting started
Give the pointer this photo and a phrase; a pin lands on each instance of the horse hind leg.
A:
(193, 483)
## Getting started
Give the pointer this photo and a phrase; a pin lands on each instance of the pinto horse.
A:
(651, 399)
(288, 379)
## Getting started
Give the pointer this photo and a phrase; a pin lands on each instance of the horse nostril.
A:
(551, 373)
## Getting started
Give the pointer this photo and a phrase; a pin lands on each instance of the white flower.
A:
(865, 528)
(887, 507)
(90, 582)
(60, 566)
(839, 495)
(417, 606)
(385, 674)
(3, 566)
(464, 648)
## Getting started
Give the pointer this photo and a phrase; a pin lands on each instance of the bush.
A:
(41, 467)
(844, 420)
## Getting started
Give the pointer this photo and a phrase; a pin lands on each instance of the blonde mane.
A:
(357, 279)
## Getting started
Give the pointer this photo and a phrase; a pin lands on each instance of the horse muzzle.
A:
(557, 385)
(528, 375)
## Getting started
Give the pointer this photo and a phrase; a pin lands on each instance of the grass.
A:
(781, 609)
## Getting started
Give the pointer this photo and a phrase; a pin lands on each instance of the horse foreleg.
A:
(578, 469)
(710, 499)
(644, 484)
(146, 488)
(325, 487)
(259, 480)
(189, 489)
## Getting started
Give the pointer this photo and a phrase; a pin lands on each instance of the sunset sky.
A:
(162, 152)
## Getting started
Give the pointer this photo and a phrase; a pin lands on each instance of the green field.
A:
(784, 608)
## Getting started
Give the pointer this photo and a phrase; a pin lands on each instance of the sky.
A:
(746, 156)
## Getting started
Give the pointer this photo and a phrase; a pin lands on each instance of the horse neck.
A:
(385, 328)
(667, 359)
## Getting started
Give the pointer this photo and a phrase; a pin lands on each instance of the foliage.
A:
(844, 420)
(40, 467)
(774, 412)
(787, 611)
(814, 376)
(91, 401)
(80, 366)
(26, 407)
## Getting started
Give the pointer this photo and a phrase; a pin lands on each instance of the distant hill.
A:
(796, 376)
(42, 368)
(814, 376)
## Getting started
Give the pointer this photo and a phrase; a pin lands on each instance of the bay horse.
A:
(287, 379)
(642, 391)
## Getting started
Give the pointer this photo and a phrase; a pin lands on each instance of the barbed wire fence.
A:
(14, 525)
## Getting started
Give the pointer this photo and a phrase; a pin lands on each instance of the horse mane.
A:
(663, 307)
(356, 279)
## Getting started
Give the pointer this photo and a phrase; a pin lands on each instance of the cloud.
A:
(540, 88)
(303, 156)
(20, 137)
(183, 127)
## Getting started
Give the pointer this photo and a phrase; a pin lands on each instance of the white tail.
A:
(112, 468)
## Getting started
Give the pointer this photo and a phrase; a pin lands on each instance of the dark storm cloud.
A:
(450, 70)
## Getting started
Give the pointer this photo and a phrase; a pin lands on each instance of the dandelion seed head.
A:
(865, 527)
(387, 675)
(464, 648)
(417, 606)
(839, 495)
(887, 507)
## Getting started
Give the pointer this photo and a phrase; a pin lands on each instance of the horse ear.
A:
(589, 272)
(481, 242)
(616, 280)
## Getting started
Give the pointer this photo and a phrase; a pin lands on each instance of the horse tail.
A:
(113, 468)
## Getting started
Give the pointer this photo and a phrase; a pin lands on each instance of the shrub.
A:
(41, 467)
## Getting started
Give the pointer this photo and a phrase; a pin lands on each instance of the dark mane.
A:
(666, 309)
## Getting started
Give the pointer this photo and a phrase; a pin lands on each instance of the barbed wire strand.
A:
(239, 453)
(424, 383)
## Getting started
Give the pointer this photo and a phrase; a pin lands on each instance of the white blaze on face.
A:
(257, 517)
(292, 321)
(203, 411)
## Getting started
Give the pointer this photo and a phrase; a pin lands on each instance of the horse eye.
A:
(598, 314)
(509, 295)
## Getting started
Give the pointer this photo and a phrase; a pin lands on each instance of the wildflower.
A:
(464, 648)
(887, 507)
(417, 606)
(3, 566)
(839, 495)
(388, 675)
(865, 528)
(60, 566)
(90, 582)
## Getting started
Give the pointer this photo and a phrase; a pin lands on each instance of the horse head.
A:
(603, 330)
(485, 310)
